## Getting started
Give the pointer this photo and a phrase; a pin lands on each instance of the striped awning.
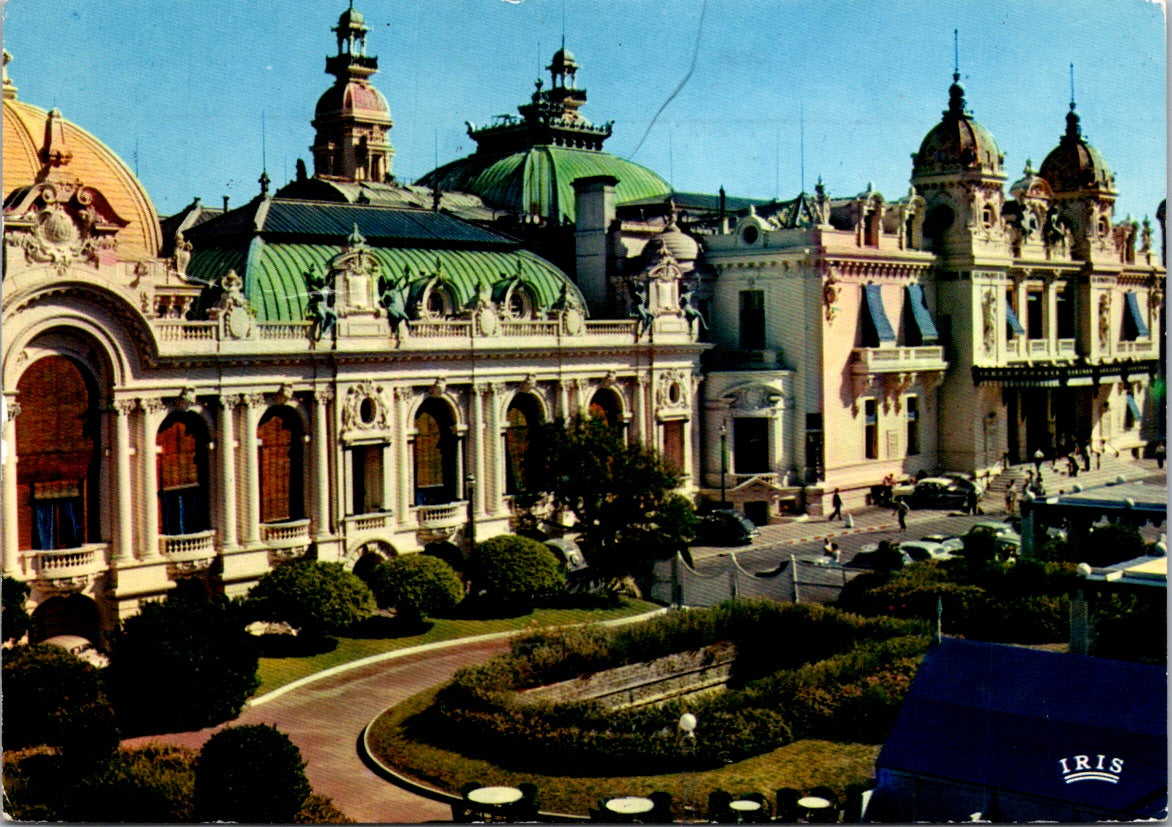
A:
(877, 316)
(1012, 321)
(921, 316)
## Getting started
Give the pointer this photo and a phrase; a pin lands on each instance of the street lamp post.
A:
(470, 492)
(723, 460)
(687, 726)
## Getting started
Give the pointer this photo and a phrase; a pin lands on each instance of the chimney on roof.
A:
(225, 203)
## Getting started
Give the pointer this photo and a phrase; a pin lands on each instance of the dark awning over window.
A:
(1030, 726)
(1137, 319)
(880, 327)
(921, 317)
(1012, 320)
(1133, 407)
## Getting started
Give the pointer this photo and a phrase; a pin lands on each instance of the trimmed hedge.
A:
(515, 572)
(415, 586)
(480, 706)
(316, 598)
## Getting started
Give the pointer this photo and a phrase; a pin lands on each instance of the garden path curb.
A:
(414, 650)
(389, 773)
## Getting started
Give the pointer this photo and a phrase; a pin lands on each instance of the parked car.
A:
(919, 551)
(726, 527)
(965, 481)
(1006, 540)
(937, 492)
(952, 543)
(84, 649)
(884, 556)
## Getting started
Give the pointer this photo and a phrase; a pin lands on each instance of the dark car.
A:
(938, 492)
(726, 527)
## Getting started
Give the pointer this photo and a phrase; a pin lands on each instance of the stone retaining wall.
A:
(638, 684)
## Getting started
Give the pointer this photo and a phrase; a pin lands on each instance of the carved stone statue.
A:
(639, 309)
(182, 255)
(989, 320)
(321, 299)
(1105, 320)
(390, 296)
(690, 312)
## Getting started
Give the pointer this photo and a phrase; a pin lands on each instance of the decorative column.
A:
(253, 407)
(322, 527)
(123, 487)
(11, 538)
(476, 443)
(153, 411)
(494, 458)
(564, 400)
(643, 414)
(401, 450)
(228, 490)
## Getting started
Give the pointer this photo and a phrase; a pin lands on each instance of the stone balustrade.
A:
(66, 563)
(182, 548)
(441, 516)
(897, 359)
(367, 522)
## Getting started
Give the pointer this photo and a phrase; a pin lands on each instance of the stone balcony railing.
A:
(67, 564)
(441, 516)
(375, 521)
(188, 548)
(897, 359)
(1144, 347)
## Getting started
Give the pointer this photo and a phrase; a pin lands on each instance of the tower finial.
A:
(1072, 86)
(956, 55)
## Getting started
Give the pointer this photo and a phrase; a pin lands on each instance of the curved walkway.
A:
(325, 716)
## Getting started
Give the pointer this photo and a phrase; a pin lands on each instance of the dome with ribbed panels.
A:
(958, 143)
(1074, 165)
(91, 162)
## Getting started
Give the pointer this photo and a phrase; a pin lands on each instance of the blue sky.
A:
(179, 89)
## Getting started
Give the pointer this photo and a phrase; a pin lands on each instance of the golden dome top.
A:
(90, 161)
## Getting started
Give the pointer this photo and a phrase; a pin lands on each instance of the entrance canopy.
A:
(1021, 735)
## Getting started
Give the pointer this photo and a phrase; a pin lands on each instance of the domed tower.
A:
(352, 119)
(1084, 192)
(958, 173)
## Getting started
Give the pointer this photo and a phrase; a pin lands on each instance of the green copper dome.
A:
(272, 243)
(540, 180)
(527, 164)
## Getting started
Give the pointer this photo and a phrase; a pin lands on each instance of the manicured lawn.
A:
(801, 765)
(275, 672)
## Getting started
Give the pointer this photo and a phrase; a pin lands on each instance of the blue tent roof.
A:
(1016, 719)
(877, 316)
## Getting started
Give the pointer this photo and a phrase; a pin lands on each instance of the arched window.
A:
(522, 456)
(281, 465)
(435, 454)
(58, 450)
(605, 405)
(183, 475)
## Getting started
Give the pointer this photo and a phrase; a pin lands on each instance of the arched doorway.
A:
(183, 447)
(522, 445)
(73, 614)
(450, 553)
(59, 449)
(436, 446)
(605, 405)
(282, 465)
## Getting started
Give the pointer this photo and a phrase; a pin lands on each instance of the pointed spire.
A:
(1073, 130)
(264, 182)
(956, 101)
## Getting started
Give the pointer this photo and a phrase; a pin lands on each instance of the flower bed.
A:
(800, 672)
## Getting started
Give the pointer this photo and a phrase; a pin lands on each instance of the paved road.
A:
(325, 719)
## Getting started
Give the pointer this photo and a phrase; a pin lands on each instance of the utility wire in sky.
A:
(680, 85)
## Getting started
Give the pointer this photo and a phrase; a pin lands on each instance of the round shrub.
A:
(182, 664)
(52, 697)
(315, 598)
(515, 572)
(250, 774)
(15, 620)
(153, 784)
(416, 585)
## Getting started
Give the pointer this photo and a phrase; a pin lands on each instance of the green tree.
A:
(416, 585)
(14, 619)
(54, 698)
(151, 784)
(623, 495)
(515, 572)
(183, 664)
(250, 774)
(315, 598)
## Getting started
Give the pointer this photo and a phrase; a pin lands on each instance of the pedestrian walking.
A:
(1086, 456)
(1010, 499)
(1161, 454)
(836, 504)
(1072, 465)
(901, 510)
(1038, 458)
